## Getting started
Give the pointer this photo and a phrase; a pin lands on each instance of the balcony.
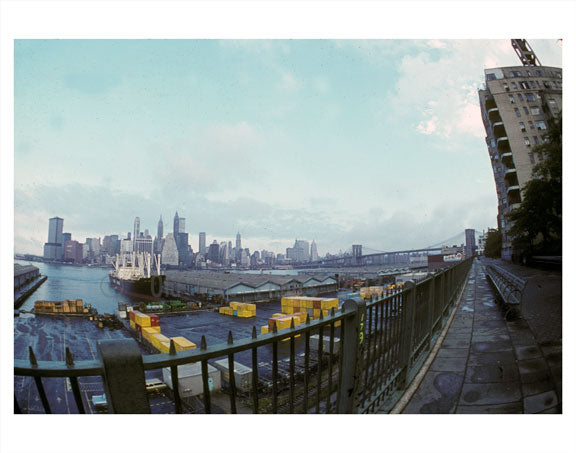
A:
(511, 177)
(490, 104)
(503, 144)
(498, 129)
(513, 195)
(494, 114)
(507, 159)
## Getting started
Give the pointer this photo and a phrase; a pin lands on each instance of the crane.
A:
(525, 52)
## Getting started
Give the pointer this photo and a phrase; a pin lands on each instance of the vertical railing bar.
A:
(364, 392)
(306, 371)
(17, 409)
(331, 353)
(232, 383)
(292, 359)
(275, 377)
(340, 362)
(255, 380)
(77, 394)
(176, 389)
(381, 355)
(207, 402)
(42, 394)
(319, 381)
(376, 350)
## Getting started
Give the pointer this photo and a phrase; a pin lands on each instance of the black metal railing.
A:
(373, 350)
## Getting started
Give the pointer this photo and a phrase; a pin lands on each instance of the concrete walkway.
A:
(489, 365)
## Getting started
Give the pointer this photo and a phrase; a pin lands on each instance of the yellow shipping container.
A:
(142, 320)
(250, 307)
(278, 315)
(158, 338)
(327, 304)
(264, 329)
(147, 332)
(132, 325)
(182, 343)
(288, 310)
(316, 312)
(163, 346)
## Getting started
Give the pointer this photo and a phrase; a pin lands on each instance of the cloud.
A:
(211, 159)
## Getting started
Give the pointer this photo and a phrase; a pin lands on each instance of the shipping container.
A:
(314, 342)
(154, 320)
(182, 343)
(242, 374)
(190, 379)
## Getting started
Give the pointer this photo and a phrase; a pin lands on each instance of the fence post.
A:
(352, 354)
(409, 310)
(124, 378)
(431, 310)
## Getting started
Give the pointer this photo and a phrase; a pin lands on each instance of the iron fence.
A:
(364, 357)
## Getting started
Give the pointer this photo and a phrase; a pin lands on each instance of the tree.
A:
(493, 246)
(537, 225)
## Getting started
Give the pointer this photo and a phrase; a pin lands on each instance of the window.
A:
(548, 85)
(527, 141)
(529, 73)
(524, 85)
(490, 77)
(538, 72)
(532, 160)
(530, 97)
(531, 124)
(535, 139)
(532, 84)
(552, 103)
(535, 110)
(526, 111)
(520, 97)
(514, 85)
(492, 143)
(512, 101)
(515, 74)
(538, 83)
(522, 127)
(558, 75)
(517, 112)
(541, 125)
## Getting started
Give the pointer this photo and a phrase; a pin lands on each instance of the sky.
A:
(372, 142)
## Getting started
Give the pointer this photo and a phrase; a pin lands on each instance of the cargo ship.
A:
(134, 276)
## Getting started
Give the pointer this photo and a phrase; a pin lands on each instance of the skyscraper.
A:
(202, 243)
(238, 246)
(313, 251)
(517, 104)
(470, 246)
(136, 230)
(160, 230)
(54, 248)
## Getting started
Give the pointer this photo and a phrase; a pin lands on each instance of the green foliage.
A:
(493, 246)
(538, 221)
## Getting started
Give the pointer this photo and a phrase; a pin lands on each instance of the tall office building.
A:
(202, 243)
(170, 251)
(470, 246)
(214, 252)
(300, 252)
(160, 230)
(136, 228)
(54, 248)
(313, 251)
(238, 246)
(517, 103)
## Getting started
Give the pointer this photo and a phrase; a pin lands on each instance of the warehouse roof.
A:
(21, 270)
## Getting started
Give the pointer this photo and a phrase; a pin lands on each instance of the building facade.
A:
(517, 104)
(54, 248)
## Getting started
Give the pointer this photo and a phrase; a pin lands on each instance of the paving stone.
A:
(455, 364)
(539, 386)
(527, 352)
(475, 394)
(532, 365)
(541, 402)
(491, 346)
(437, 394)
(491, 373)
(536, 376)
(454, 352)
(508, 408)
(491, 358)
(456, 343)
(522, 338)
(494, 323)
(460, 330)
(476, 337)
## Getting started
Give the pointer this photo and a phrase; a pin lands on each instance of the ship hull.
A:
(147, 288)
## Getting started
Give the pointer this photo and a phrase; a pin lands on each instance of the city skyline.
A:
(246, 135)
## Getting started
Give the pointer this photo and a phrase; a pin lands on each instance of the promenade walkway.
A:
(487, 364)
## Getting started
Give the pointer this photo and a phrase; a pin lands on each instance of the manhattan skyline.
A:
(378, 142)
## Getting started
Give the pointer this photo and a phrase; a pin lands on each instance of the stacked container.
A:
(147, 332)
(160, 342)
(183, 344)
(371, 291)
(310, 305)
(240, 309)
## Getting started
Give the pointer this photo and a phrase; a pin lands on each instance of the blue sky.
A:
(378, 142)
